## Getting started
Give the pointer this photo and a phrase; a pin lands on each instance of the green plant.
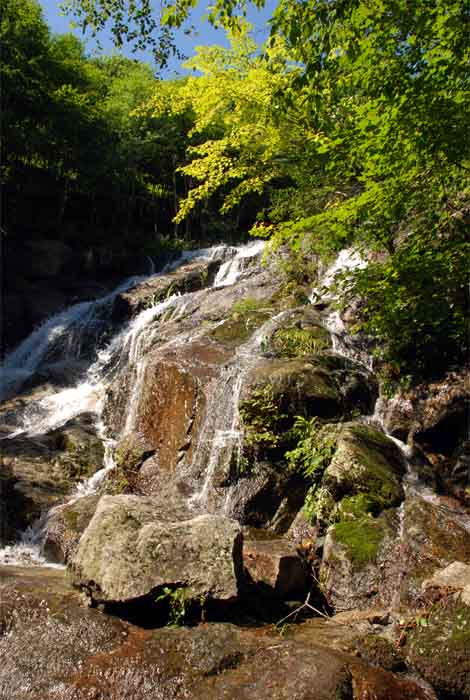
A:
(177, 600)
(314, 449)
(248, 306)
(297, 342)
(262, 418)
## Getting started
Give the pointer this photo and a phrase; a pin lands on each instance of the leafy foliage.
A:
(177, 601)
(314, 449)
(261, 418)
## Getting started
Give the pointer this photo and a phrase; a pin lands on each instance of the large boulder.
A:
(324, 385)
(363, 477)
(434, 535)
(355, 556)
(455, 577)
(389, 560)
(126, 552)
(277, 567)
(357, 498)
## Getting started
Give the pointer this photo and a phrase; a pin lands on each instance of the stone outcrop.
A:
(65, 526)
(38, 472)
(355, 555)
(357, 498)
(126, 553)
(276, 566)
(187, 278)
(323, 385)
(363, 477)
(440, 649)
(207, 412)
(54, 647)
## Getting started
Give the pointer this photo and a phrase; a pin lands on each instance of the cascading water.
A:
(231, 270)
(221, 433)
(62, 337)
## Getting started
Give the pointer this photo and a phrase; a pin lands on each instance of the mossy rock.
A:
(379, 651)
(361, 538)
(246, 316)
(440, 650)
(355, 554)
(363, 478)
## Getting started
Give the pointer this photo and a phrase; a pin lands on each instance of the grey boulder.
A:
(127, 552)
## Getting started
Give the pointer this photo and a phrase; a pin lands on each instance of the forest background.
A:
(349, 126)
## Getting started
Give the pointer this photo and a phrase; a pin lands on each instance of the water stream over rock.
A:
(145, 433)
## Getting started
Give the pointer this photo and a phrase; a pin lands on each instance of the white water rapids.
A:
(61, 340)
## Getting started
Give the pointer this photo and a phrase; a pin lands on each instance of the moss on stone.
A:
(361, 538)
(358, 506)
(441, 649)
(246, 316)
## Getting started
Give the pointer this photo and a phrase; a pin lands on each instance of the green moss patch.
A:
(246, 316)
(361, 538)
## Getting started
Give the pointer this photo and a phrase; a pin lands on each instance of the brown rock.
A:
(277, 565)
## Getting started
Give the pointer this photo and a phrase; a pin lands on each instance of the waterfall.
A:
(231, 270)
(63, 337)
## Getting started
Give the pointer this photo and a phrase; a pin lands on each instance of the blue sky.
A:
(205, 33)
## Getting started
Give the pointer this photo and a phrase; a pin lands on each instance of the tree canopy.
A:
(350, 127)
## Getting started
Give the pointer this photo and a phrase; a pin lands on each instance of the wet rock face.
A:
(170, 411)
(38, 472)
(126, 553)
(433, 415)
(325, 385)
(187, 278)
